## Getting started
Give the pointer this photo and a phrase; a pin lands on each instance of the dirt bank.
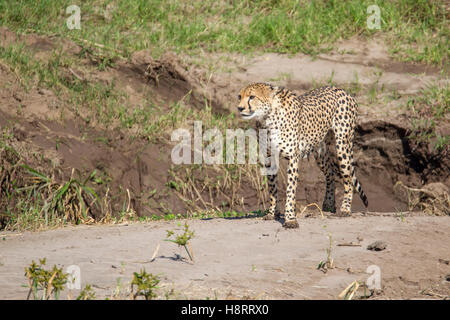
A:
(383, 151)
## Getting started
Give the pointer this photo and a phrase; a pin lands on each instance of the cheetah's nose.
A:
(240, 109)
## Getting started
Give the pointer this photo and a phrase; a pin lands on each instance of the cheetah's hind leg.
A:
(325, 164)
(275, 216)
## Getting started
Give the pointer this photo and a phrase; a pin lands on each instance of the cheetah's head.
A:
(255, 100)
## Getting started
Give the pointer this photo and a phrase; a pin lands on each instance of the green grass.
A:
(430, 110)
(416, 30)
(40, 202)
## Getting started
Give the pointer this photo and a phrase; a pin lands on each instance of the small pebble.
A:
(377, 246)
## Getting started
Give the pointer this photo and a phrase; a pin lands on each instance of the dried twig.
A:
(155, 253)
(76, 75)
(349, 244)
(313, 205)
(349, 291)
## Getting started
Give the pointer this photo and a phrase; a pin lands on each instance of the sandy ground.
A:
(243, 258)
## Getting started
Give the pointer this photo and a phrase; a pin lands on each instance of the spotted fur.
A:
(299, 126)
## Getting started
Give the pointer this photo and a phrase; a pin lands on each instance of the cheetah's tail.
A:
(359, 189)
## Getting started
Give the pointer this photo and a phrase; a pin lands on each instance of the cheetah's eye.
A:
(251, 97)
(239, 97)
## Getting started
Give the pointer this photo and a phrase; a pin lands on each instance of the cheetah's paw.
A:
(291, 224)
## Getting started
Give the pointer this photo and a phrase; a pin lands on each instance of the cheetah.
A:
(300, 125)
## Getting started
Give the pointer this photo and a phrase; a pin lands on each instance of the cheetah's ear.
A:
(271, 91)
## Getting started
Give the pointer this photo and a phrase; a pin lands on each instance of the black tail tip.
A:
(364, 200)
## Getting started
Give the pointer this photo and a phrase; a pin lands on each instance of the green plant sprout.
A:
(145, 284)
(50, 281)
(87, 293)
(183, 239)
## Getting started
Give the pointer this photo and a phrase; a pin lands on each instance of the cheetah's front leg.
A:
(273, 213)
(290, 220)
